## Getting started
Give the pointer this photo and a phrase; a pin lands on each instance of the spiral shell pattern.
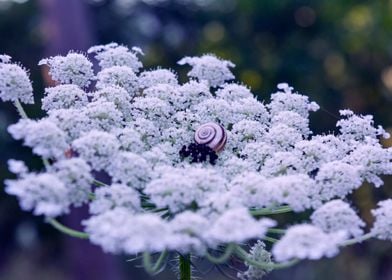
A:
(213, 135)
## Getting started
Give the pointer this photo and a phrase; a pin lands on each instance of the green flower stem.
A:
(46, 163)
(67, 230)
(153, 268)
(267, 211)
(185, 267)
(91, 196)
(20, 109)
(23, 115)
(241, 253)
(224, 257)
(358, 239)
(99, 183)
(276, 230)
(270, 239)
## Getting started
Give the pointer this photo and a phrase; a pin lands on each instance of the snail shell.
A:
(211, 134)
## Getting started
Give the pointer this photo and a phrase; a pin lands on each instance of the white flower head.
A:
(43, 136)
(118, 96)
(229, 227)
(358, 128)
(156, 77)
(290, 101)
(74, 122)
(133, 234)
(129, 169)
(97, 148)
(121, 76)
(209, 68)
(180, 188)
(44, 193)
(307, 242)
(15, 83)
(116, 55)
(103, 115)
(74, 68)
(337, 179)
(188, 229)
(382, 227)
(134, 130)
(233, 92)
(115, 196)
(337, 215)
(64, 97)
(75, 173)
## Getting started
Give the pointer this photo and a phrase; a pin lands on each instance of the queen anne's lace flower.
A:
(97, 148)
(132, 234)
(74, 68)
(64, 97)
(193, 93)
(130, 169)
(233, 92)
(43, 136)
(126, 147)
(229, 227)
(115, 55)
(75, 173)
(209, 68)
(14, 82)
(44, 193)
(121, 76)
(337, 179)
(73, 122)
(307, 242)
(282, 137)
(103, 115)
(155, 77)
(117, 95)
(337, 215)
(115, 196)
(249, 108)
(373, 160)
(286, 100)
(180, 188)
(358, 128)
(382, 227)
(189, 230)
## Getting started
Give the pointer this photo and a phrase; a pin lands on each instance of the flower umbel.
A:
(191, 168)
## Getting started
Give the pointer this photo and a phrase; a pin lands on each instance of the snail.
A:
(210, 139)
(213, 135)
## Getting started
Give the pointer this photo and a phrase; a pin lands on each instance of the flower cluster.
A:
(121, 148)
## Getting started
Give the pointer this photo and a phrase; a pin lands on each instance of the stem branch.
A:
(185, 267)
(268, 211)
(67, 230)
(358, 239)
(20, 109)
(156, 267)
(224, 257)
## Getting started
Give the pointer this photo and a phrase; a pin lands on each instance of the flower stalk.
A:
(67, 230)
(185, 267)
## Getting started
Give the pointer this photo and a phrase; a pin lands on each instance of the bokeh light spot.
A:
(214, 31)
(251, 78)
(305, 16)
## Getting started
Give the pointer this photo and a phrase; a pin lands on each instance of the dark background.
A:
(337, 52)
